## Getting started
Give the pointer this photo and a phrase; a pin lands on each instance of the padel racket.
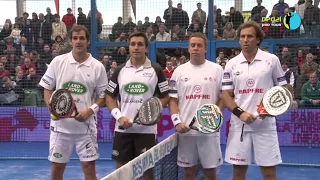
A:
(276, 101)
(149, 113)
(209, 118)
(62, 105)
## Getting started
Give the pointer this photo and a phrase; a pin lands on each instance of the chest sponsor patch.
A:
(136, 88)
(75, 87)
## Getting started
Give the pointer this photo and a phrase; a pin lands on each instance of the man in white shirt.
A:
(88, 79)
(131, 84)
(247, 77)
(192, 85)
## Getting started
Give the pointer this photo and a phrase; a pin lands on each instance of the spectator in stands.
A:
(149, 34)
(28, 33)
(216, 35)
(229, 33)
(32, 79)
(58, 45)
(106, 62)
(236, 18)
(3, 71)
(23, 20)
(117, 28)
(16, 33)
(27, 65)
(310, 91)
(9, 64)
(19, 78)
(280, 7)
(200, 16)
(10, 47)
(217, 18)
(157, 24)
(300, 58)
(45, 54)
(14, 94)
(168, 71)
(58, 28)
(82, 18)
(35, 25)
(121, 55)
(49, 17)
(121, 38)
(44, 29)
(146, 24)
(223, 64)
(163, 35)
(139, 27)
(9, 22)
(309, 66)
(128, 27)
(179, 32)
(69, 19)
(110, 72)
(5, 32)
(257, 9)
(289, 74)
(221, 57)
(258, 17)
(169, 16)
(300, 8)
(181, 19)
(311, 20)
(99, 22)
(54, 53)
(285, 56)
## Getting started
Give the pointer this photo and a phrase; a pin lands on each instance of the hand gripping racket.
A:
(61, 104)
(276, 101)
(209, 118)
(149, 113)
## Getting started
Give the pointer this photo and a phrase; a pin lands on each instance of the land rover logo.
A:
(136, 88)
(75, 87)
(57, 155)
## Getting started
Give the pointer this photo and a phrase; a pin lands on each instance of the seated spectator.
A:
(309, 65)
(168, 71)
(221, 57)
(149, 34)
(58, 28)
(106, 62)
(121, 55)
(289, 75)
(16, 33)
(5, 32)
(10, 47)
(179, 33)
(216, 35)
(163, 35)
(229, 33)
(223, 64)
(27, 65)
(121, 38)
(32, 79)
(58, 45)
(114, 65)
(10, 93)
(310, 92)
(3, 71)
(20, 79)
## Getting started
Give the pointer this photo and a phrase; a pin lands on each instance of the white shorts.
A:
(61, 147)
(265, 146)
(207, 149)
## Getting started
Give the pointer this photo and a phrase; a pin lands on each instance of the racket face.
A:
(150, 112)
(277, 100)
(209, 118)
(61, 103)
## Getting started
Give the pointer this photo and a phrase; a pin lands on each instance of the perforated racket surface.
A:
(62, 104)
(276, 101)
(209, 118)
(150, 112)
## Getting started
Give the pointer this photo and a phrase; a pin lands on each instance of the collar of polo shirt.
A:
(258, 57)
(147, 63)
(73, 61)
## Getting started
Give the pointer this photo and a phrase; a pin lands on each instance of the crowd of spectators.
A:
(28, 45)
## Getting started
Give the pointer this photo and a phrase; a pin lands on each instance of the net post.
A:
(152, 51)
(93, 33)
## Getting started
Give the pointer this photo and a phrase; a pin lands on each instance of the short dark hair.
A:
(78, 28)
(257, 27)
(139, 34)
(200, 35)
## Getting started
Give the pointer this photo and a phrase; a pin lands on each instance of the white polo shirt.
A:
(86, 82)
(132, 86)
(194, 86)
(249, 82)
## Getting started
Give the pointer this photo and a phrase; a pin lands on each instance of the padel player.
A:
(131, 84)
(192, 85)
(86, 79)
(247, 77)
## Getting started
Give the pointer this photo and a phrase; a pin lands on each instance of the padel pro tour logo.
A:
(291, 21)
